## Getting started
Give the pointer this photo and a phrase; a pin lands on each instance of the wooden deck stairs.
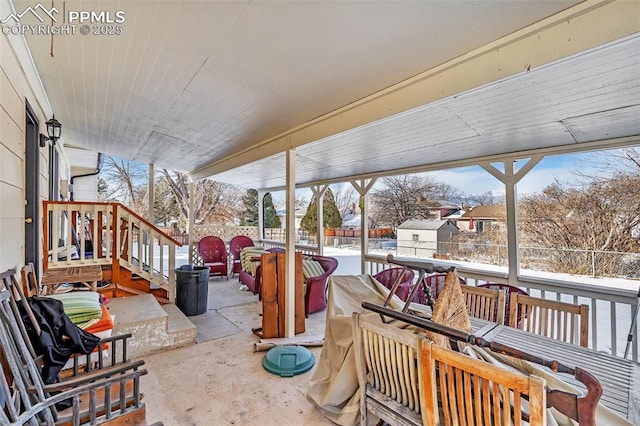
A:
(130, 284)
(138, 268)
(137, 259)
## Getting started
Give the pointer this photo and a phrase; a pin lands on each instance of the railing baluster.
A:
(593, 316)
(69, 236)
(614, 333)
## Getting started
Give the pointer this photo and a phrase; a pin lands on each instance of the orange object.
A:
(104, 323)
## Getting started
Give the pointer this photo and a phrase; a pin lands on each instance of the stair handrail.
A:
(146, 222)
(133, 221)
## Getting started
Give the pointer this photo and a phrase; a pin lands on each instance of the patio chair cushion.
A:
(80, 306)
(311, 268)
(245, 258)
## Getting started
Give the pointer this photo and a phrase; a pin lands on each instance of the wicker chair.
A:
(214, 255)
(389, 276)
(236, 245)
(435, 282)
(315, 298)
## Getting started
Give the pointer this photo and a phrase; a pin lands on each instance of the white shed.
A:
(424, 237)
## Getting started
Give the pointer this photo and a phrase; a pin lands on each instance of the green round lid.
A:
(288, 361)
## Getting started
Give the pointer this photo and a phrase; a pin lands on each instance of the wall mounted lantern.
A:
(54, 129)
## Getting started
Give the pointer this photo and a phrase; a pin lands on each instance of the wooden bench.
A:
(88, 276)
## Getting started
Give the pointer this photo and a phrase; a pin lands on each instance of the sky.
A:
(475, 180)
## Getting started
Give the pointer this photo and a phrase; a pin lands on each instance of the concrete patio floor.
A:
(220, 379)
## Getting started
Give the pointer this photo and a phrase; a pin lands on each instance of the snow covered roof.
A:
(424, 225)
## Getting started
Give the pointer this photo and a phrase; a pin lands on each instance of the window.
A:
(414, 237)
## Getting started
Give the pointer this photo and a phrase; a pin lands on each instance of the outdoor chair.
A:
(558, 320)
(484, 303)
(389, 276)
(508, 289)
(104, 392)
(459, 389)
(388, 369)
(250, 271)
(236, 245)
(315, 298)
(214, 254)
(30, 285)
(435, 282)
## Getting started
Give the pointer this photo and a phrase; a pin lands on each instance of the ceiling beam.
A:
(602, 145)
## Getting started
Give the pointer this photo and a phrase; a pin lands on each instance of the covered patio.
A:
(285, 95)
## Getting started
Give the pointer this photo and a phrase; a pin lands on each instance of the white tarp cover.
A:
(334, 385)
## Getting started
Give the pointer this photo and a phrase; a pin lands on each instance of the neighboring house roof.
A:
(424, 225)
(486, 212)
(454, 215)
(446, 204)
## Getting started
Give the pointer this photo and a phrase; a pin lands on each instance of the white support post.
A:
(289, 296)
(151, 189)
(363, 188)
(261, 215)
(319, 192)
(192, 219)
(510, 178)
(512, 223)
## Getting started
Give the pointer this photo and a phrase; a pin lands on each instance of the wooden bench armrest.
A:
(114, 348)
(91, 376)
(86, 390)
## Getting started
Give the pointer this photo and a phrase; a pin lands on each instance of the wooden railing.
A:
(611, 309)
(82, 233)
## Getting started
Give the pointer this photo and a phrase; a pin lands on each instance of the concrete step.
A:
(154, 327)
(180, 328)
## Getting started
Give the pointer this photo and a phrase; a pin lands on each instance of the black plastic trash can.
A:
(192, 284)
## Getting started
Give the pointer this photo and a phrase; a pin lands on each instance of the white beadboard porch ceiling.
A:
(189, 84)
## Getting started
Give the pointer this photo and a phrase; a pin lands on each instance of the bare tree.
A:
(484, 199)
(602, 217)
(407, 197)
(126, 182)
(215, 202)
(345, 197)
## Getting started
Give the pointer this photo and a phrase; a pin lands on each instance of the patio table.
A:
(620, 378)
